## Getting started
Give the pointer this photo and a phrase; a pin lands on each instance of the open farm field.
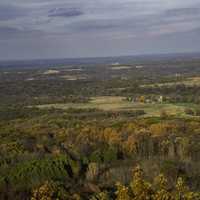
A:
(115, 103)
(191, 81)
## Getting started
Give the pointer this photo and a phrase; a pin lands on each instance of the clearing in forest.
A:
(119, 103)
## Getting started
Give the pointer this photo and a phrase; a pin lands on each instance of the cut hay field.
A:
(121, 67)
(74, 77)
(114, 103)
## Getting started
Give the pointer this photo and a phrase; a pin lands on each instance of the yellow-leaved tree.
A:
(161, 191)
(122, 192)
(140, 189)
(183, 192)
(44, 192)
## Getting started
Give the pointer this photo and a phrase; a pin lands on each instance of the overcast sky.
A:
(86, 28)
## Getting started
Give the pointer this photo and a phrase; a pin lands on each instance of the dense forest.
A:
(101, 132)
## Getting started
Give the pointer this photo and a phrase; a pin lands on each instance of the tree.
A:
(122, 192)
(100, 196)
(161, 192)
(44, 192)
(141, 189)
(163, 114)
(142, 99)
(183, 192)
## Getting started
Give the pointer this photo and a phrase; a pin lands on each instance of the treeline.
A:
(32, 87)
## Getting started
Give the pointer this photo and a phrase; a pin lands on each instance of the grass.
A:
(50, 72)
(102, 103)
(120, 67)
(115, 103)
(192, 81)
(73, 77)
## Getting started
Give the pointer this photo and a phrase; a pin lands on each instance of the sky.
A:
(31, 29)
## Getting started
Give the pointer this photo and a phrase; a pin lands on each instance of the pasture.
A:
(191, 81)
(119, 103)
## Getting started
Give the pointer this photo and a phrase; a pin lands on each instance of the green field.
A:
(112, 103)
(191, 81)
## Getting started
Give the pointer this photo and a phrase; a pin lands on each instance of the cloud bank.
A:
(74, 28)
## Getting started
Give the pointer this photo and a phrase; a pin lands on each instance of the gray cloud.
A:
(82, 27)
(8, 33)
(65, 12)
(8, 12)
(183, 11)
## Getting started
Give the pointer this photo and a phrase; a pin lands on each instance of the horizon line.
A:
(99, 57)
